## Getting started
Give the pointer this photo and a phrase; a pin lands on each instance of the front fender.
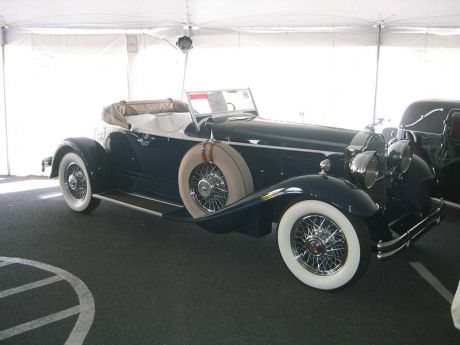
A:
(337, 192)
(94, 156)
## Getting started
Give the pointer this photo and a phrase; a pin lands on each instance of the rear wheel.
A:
(321, 246)
(75, 184)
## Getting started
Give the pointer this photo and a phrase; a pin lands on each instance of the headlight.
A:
(364, 168)
(400, 155)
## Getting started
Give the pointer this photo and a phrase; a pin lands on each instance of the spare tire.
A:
(208, 185)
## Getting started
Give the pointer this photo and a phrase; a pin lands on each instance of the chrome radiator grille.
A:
(376, 142)
(365, 141)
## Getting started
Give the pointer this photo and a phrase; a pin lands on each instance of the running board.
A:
(138, 202)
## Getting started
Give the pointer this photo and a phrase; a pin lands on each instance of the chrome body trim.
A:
(180, 135)
(326, 153)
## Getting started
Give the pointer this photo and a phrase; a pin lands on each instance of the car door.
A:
(141, 164)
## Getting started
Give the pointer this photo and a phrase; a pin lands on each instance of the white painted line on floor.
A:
(49, 196)
(30, 286)
(433, 281)
(28, 326)
(86, 309)
(3, 264)
(24, 186)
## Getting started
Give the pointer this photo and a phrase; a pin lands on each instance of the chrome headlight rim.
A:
(364, 167)
(400, 156)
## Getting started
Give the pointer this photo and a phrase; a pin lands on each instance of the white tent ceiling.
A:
(141, 14)
(332, 72)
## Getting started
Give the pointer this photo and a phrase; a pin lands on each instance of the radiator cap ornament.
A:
(325, 166)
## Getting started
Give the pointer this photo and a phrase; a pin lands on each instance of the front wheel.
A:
(75, 184)
(321, 246)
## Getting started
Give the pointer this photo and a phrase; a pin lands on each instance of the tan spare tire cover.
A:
(233, 167)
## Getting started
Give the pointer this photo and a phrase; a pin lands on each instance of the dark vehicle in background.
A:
(335, 194)
(433, 129)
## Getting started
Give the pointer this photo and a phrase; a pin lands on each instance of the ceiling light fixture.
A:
(184, 43)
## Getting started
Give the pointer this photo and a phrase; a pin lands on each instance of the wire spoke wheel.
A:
(208, 187)
(75, 184)
(321, 246)
(318, 244)
(75, 181)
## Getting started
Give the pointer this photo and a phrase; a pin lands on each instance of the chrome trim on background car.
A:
(424, 116)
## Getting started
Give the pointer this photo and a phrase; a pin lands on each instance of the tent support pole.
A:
(379, 43)
(3, 42)
(184, 76)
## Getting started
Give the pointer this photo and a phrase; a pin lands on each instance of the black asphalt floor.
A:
(161, 283)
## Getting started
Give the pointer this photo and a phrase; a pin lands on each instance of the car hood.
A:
(281, 134)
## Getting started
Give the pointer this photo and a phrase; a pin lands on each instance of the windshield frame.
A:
(200, 118)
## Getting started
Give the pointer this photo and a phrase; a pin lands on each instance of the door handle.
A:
(143, 139)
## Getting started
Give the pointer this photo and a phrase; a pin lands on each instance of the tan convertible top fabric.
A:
(116, 112)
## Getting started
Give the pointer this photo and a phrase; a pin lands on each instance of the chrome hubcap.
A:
(208, 187)
(318, 244)
(205, 188)
(315, 246)
(75, 181)
(72, 182)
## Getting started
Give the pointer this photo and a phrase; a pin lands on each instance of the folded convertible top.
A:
(115, 113)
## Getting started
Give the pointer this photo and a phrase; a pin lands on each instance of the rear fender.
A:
(94, 156)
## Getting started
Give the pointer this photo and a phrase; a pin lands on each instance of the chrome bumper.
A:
(46, 162)
(386, 250)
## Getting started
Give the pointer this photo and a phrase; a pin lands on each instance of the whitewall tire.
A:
(75, 184)
(321, 246)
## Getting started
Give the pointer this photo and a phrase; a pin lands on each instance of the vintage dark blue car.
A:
(335, 194)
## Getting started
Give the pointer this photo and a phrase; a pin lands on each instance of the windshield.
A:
(221, 102)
